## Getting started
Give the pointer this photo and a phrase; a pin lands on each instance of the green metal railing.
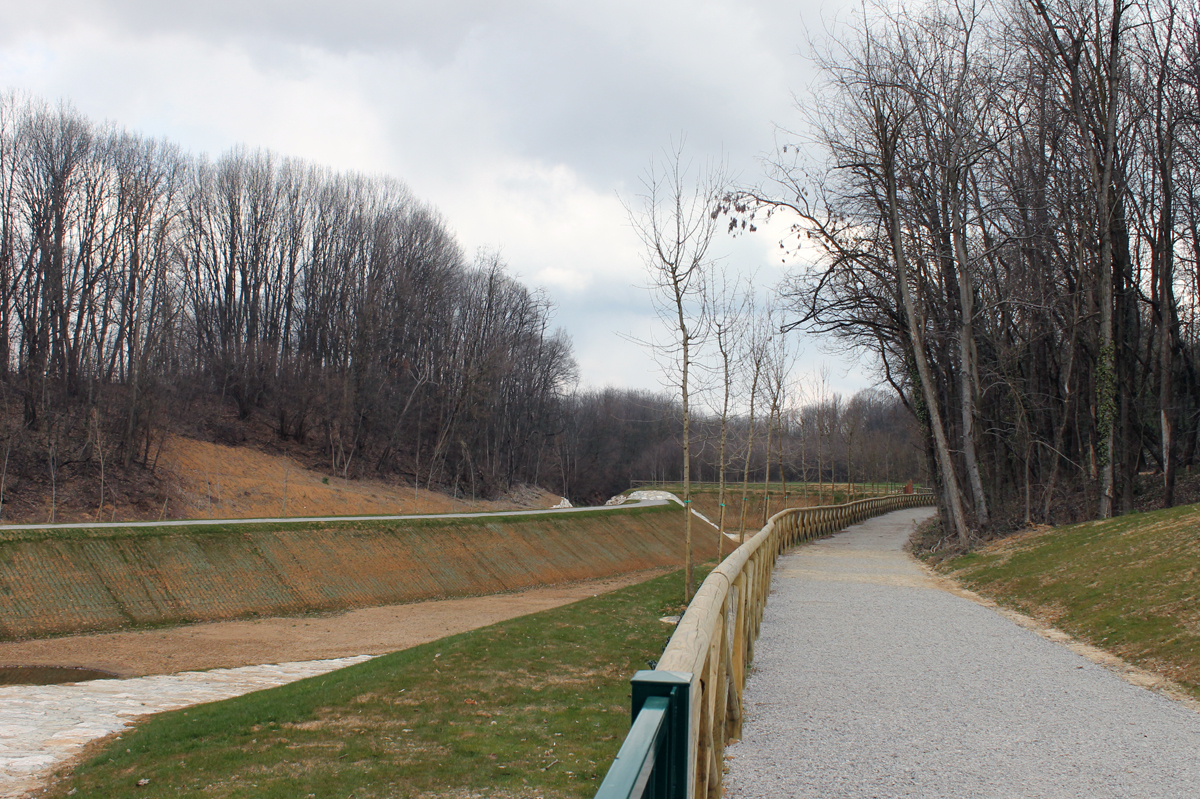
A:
(652, 762)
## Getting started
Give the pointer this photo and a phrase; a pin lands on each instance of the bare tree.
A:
(1085, 41)
(729, 305)
(753, 361)
(675, 218)
(780, 358)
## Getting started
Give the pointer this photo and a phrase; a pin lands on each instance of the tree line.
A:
(146, 292)
(1008, 215)
(135, 278)
(617, 438)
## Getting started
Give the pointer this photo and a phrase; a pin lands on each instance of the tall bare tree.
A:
(675, 217)
(728, 304)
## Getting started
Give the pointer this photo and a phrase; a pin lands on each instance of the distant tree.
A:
(729, 305)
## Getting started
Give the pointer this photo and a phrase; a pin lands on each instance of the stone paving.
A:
(42, 726)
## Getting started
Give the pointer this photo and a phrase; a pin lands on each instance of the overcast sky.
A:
(524, 123)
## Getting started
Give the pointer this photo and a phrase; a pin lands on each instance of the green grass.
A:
(236, 527)
(532, 707)
(760, 487)
(1128, 585)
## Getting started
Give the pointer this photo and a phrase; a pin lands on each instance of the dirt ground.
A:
(194, 478)
(373, 631)
(215, 481)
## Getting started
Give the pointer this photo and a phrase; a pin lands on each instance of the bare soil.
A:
(191, 478)
(217, 481)
(372, 631)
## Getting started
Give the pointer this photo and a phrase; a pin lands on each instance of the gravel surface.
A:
(42, 726)
(871, 681)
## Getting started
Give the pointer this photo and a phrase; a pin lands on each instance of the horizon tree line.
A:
(136, 279)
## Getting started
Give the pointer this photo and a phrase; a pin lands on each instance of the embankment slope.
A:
(1126, 585)
(76, 581)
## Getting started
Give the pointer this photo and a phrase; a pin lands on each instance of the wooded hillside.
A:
(261, 300)
(338, 305)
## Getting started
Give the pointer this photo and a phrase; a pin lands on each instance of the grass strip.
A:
(735, 488)
(1127, 585)
(235, 527)
(532, 707)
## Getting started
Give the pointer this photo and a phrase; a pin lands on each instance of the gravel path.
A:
(871, 681)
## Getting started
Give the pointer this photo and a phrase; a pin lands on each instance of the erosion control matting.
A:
(103, 580)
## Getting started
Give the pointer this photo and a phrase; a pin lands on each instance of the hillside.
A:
(1127, 585)
(217, 481)
(68, 581)
(190, 478)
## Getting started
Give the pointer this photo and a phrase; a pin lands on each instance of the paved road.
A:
(870, 681)
(301, 519)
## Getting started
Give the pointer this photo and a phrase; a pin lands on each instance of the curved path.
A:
(871, 681)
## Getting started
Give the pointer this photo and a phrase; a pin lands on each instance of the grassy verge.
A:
(236, 527)
(532, 707)
(1127, 585)
(774, 487)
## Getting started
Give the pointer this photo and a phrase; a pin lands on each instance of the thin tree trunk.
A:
(749, 452)
(689, 585)
(951, 492)
(721, 461)
(968, 369)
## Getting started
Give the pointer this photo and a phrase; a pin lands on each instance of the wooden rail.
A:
(703, 668)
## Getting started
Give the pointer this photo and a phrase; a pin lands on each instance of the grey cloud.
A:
(598, 85)
(456, 87)
(434, 29)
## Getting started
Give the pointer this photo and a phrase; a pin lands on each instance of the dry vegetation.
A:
(217, 481)
(253, 476)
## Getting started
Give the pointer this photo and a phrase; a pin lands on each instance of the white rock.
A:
(47, 724)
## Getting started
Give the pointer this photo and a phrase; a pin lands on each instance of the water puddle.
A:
(49, 675)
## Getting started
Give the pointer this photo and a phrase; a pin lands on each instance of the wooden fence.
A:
(702, 672)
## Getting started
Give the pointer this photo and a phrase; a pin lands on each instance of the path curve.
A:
(870, 680)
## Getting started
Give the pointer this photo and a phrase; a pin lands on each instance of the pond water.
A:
(49, 675)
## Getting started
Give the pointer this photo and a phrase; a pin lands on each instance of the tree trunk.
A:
(968, 365)
(952, 494)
